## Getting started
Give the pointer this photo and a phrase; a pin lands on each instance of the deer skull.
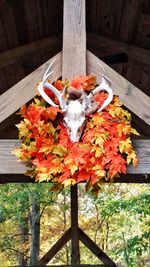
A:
(75, 110)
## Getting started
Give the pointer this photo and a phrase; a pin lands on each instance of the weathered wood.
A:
(96, 43)
(131, 96)
(25, 90)
(130, 14)
(74, 63)
(75, 251)
(142, 37)
(95, 249)
(16, 54)
(9, 25)
(74, 39)
(10, 165)
(57, 246)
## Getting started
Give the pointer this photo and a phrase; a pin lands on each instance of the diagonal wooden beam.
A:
(55, 248)
(132, 97)
(22, 92)
(25, 90)
(100, 254)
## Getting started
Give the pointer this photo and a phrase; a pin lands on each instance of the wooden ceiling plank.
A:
(9, 25)
(10, 56)
(31, 19)
(10, 165)
(25, 90)
(3, 42)
(130, 15)
(132, 97)
(96, 42)
(3, 80)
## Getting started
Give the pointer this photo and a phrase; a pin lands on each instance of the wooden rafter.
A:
(132, 97)
(54, 42)
(68, 72)
(98, 43)
(19, 53)
(25, 90)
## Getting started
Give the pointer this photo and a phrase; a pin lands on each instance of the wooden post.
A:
(73, 64)
(75, 252)
(74, 39)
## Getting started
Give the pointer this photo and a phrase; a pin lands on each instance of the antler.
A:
(52, 88)
(104, 86)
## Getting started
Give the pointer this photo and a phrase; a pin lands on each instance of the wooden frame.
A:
(10, 165)
(74, 47)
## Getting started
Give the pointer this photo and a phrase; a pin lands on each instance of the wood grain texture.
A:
(9, 25)
(10, 165)
(73, 64)
(74, 39)
(25, 90)
(142, 38)
(98, 43)
(132, 97)
(94, 43)
(130, 14)
(10, 56)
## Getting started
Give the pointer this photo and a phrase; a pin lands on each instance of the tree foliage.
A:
(117, 220)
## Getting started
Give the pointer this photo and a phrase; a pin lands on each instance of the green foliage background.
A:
(118, 221)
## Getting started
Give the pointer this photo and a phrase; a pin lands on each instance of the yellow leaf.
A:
(98, 119)
(40, 177)
(39, 102)
(73, 168)
(124, 128)
(125, 146)
(68, 161)
(134, 131)
(59, 150)
(132, 157)
(98, 150)
(23, 130)
(99, 171)
(68, 182)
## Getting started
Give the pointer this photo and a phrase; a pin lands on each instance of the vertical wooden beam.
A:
(74, 39)
(75, 253)
(73, 64)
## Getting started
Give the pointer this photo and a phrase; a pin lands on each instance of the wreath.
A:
(103, 151)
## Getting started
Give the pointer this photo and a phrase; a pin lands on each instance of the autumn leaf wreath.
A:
(103, 152)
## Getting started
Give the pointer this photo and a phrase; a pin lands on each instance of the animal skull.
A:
(75, 110)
